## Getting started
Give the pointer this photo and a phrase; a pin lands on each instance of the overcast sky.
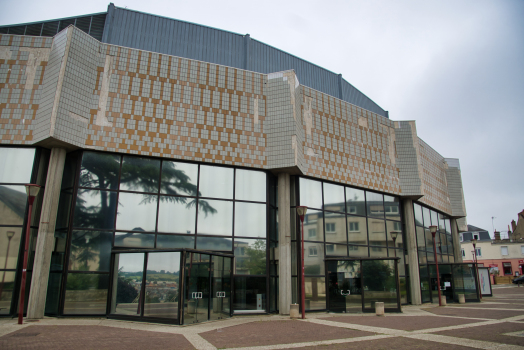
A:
(456, 67)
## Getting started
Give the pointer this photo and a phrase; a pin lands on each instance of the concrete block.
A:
(379, 308)
(443, 300)
(462, 299)
(293, 311)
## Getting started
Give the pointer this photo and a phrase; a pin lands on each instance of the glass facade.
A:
(18, 166)
(424, 218)
(122, 202)
(342, 222)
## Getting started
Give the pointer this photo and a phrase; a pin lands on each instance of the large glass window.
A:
(342, 221)
(126, 201)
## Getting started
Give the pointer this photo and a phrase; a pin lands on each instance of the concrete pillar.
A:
(456, 241)
(284, 244)
(412, 258)
(46, 235)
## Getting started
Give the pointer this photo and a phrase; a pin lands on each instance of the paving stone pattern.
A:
(428, 327)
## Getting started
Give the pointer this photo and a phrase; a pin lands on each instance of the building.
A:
(517, 228)
(170, 146)
(504, 257)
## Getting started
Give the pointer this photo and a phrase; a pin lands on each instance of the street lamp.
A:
(474, 241)
(394, 235)
(32, 191)
(433, 230)
(10, 234)
(301, 211)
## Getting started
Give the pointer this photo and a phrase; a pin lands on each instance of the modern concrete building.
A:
(173, 157)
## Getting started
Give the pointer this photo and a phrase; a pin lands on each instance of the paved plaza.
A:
(496, 323)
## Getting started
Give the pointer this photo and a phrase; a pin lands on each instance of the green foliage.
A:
(126, 293)
(255, 260)
(378, 275)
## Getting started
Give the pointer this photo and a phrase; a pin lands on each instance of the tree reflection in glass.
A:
(250, 256)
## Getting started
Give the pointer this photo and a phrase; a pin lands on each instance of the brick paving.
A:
(282, 332)
(470, 326)
(91, 337)
(399, 343)
(405, 323)
(475, 313)
(493, 333)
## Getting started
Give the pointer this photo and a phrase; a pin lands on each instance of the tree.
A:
(378, 275)
(255, 262)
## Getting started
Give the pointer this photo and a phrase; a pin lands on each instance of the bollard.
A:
(379, 308)
(462, 299)
(443, 300)
(293, 311)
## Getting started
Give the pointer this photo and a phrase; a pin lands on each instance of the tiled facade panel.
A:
(77, 91)
(434, 178)
(407, 159)
(23, 62)
(347, 144)
(456, 193)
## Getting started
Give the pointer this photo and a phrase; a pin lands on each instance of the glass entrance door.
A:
(344, 286)
(197, 288)
(220, 288)
(380, 284)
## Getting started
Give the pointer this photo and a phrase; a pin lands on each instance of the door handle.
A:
(342, 293)
(221, 294)
(199, 296)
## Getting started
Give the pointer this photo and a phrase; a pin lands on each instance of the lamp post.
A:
(301, 211)
(474, 241)
(433, 230)
(32, 191)
(10, 234)
(394, 235)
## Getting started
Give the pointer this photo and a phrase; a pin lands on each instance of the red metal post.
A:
(303, 296)
(477, 269)
(436, 264)
(31, 199)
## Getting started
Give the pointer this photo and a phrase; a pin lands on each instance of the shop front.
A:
(455, 279)
(355, 285)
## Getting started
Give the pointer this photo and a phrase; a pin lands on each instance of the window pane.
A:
(427, 217)
(16, 164)
(378, 252)
(336, 249)
(383, 289)
(13, 200)
(310, 193)
(313, 222)
(392, 208)
(140, 174)
(250, 185)
(397, 253)
(215, 243)
(134, 240)
(95, 209)
(175, 241)
(421, 238)
(434, 218)
(161, 293)
(334, 197)
(64, 208)
(377, 232)
(375, 204)
(250, 293)
(314, 258)
(441, 222)
(99, 170)
(179, 178)
(90, 251)
(9, 246)
(86, 294)
(448, 226)
(356, 203)
(177, 215)
(216, 182)
(356, 251)
(7, 291)
(127, 283)
(250, 256)
(250, 219)
(136, 212)
(215, 217)
(429, 240)
(335, 227)
(315, 293)
(394, 226)
(418, 214)
(357, 230)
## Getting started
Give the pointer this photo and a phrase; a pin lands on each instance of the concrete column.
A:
(411, 244)
(456, 241)
(284, 244)
(46, 235)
